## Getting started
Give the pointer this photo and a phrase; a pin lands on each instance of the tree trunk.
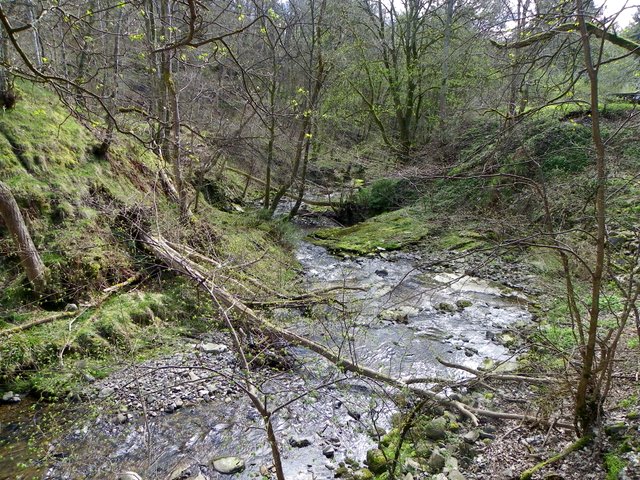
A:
(446, 52)
(588, 396)
(10, 213)
(7, 95)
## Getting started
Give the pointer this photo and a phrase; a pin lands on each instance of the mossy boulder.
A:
(376, 461)
(389, 231)
(363, 474)
(462, 304)
(436, 429)
(446, 307)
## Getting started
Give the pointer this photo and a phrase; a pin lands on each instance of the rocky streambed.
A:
(186, 416)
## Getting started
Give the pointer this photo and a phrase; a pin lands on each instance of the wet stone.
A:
(300, 442)
(106, 392)
(363, 474)
(455, 475)
(328, 452)
(353, 414)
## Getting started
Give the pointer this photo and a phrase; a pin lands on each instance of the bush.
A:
(383, 195)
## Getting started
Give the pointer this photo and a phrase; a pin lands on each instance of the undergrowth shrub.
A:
(383, 195)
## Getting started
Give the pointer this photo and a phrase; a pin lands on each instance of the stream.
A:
(399, 319)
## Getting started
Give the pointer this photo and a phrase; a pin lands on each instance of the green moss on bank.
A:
(389, 231)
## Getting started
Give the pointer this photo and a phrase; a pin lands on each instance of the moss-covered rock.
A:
(436, 429)
(389, 231)
(363, 474)
(446, 307)
(376, 461)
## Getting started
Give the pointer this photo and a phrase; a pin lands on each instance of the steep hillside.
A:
(118, 301)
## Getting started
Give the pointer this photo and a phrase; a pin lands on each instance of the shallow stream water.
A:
(398, 320)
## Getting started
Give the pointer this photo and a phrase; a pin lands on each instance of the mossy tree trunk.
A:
(7, 94)
(29, 256)
(589, 394)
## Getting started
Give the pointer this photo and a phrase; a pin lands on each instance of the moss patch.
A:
(462, 241)
(389, 231)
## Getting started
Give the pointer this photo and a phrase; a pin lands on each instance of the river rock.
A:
(10, 397)
(363, 474)
(328, 452)
(436, 461)
(462, 304)
(353, 414)
(451, 464)
(106, 392)
(446, 307)
(128, 476)
(376, 461)
(300, 442)
(412, 465)
(470, 351)
(228, 465)
(213, 348)
(455, 475)
(507, 339)
(185, 470)
(399, 314)
(471, 436)
(436, 429)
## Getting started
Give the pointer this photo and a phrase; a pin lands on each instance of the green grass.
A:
(614, 465)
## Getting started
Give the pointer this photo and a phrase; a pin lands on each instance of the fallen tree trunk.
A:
(219, 295)
(29, 256)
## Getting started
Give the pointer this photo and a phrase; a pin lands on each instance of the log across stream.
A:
(397, 324)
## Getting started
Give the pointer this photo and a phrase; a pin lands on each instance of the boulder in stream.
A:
(228, 465)
(301, 442)
(446, 307)
(399, 314)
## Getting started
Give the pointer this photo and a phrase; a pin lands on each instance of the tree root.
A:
(577, 445)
